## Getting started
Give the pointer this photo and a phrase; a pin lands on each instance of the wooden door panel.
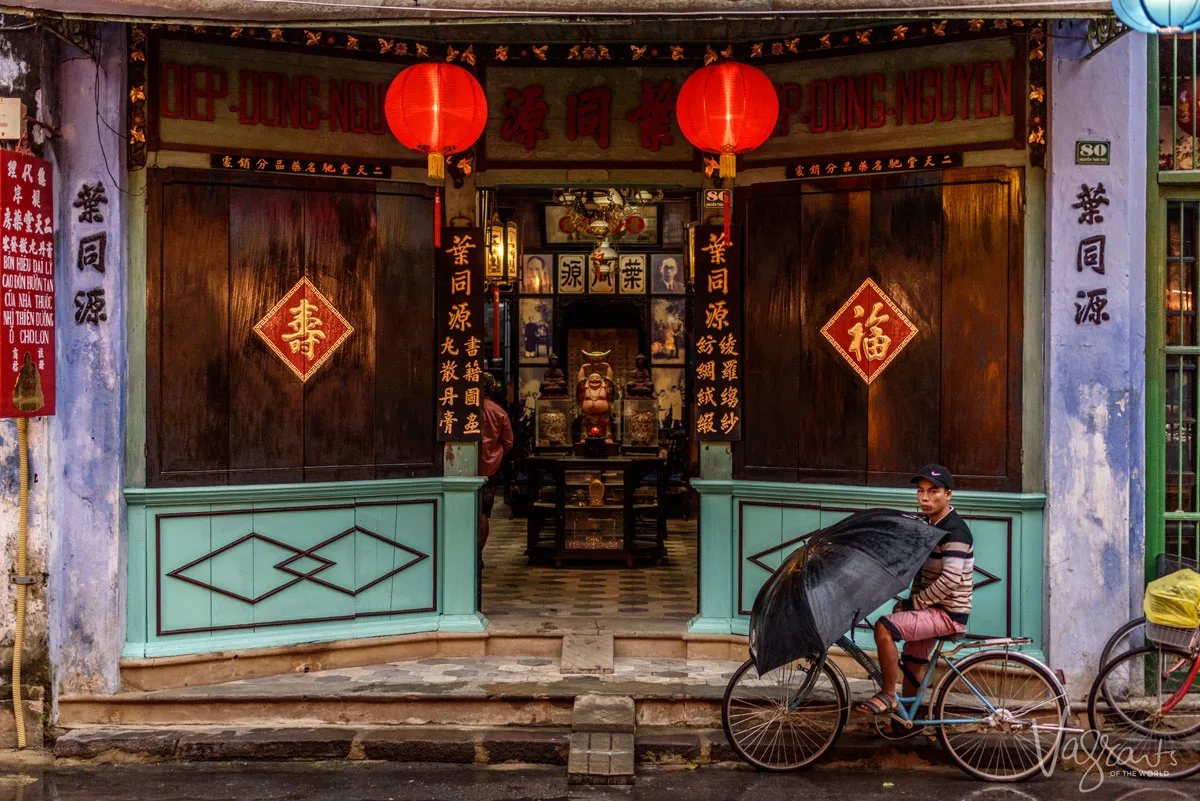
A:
(266, 259)
(404, 346)
(834, 256)
(975, 325)
(339, 400)
(946, 247)
(222, 406)
(772, 368)
(902, 417)
(194, 332)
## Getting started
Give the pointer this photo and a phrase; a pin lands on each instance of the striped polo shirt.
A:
(946, 578)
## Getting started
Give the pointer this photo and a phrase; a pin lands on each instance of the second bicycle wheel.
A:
(1128, 719)
(787, 718)
(1011, 711)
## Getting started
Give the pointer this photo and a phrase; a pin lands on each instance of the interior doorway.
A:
(614, 536)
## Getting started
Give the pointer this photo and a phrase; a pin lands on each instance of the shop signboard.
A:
(460, 358)
(271, 103)
(966, 95)
(27, 286)
(718, 335)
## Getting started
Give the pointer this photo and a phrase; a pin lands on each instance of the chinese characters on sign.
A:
(860, 165)
(718, 336)
(1090, 303)
(304, 329)
(869, 331)
(27, 282)
(301, 166)
(459, 358)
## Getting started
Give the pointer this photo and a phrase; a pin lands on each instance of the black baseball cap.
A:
(936, 475)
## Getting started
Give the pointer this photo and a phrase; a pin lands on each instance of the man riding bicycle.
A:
(939, 602)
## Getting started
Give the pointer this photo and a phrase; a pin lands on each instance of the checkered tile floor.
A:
(513, 587)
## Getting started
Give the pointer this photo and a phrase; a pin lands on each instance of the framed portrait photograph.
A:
(666, 274)
(535, 330)
(537, 274)
(668, 324)
(631, 274)
(641, 228)
(529, 386)
(670, 388)
(571, 278)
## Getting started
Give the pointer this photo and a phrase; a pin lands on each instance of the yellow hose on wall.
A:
(22, 588)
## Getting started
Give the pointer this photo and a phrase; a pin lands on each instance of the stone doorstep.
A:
(610, 714)
(587, 653)
(601, 758)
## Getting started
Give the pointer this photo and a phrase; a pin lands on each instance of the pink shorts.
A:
(920, 629)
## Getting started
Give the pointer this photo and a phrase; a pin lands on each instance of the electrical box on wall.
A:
(12, 118)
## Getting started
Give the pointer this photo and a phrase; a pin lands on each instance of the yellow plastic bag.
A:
(1174, 600)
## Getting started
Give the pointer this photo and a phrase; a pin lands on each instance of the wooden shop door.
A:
(223, 406)
(945, 248)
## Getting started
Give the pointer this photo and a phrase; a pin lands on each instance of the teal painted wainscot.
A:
(219, 568)
(747, 528)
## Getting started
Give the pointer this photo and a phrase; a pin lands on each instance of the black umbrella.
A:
(841, 574)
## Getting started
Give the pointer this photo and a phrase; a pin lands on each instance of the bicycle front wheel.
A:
(1005, 715)
(1131, 635)
(787, 718)
(1126, 711)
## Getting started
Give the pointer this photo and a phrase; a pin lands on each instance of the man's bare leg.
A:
(888, 657)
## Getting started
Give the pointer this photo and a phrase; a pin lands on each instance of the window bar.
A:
(1192, 96)
(1174, 101)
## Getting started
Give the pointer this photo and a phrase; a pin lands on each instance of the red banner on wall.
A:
(26, 286)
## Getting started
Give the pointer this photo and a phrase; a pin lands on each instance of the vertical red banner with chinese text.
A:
(26, 286)
(460, 358)
(718, 271)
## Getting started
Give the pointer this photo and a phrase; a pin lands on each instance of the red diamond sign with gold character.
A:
(304, 329)
(869, 331)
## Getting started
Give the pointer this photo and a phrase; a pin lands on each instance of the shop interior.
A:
(591, 303)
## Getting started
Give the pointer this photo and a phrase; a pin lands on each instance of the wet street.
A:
(400, 782)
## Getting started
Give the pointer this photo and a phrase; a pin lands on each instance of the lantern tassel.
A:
(727, 204)
(437, 218)
(437, 166)
(728, 165)
(495, 321)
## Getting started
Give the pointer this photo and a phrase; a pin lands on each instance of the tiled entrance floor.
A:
(650, 592)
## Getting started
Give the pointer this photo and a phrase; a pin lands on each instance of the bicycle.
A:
(1132, 634)
(1139, 708)
(788, 718)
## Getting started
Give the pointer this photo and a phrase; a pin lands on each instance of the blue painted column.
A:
(85, 479)
(1095, 348)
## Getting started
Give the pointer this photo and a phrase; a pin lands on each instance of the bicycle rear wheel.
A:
(787, 718)
(1013, 710)
(1125, 712)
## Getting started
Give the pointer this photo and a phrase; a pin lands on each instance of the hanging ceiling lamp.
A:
(727, 108)
(438, 109)
(1159, 16)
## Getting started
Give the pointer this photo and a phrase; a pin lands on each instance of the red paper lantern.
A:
(727, 108)
(437, 109)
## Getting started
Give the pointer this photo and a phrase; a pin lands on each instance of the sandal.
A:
(879, 704)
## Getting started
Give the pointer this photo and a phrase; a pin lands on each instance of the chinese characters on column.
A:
(89, 303)
(1090, 302)
(718, 337)
(27, 283)
(459, 358)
